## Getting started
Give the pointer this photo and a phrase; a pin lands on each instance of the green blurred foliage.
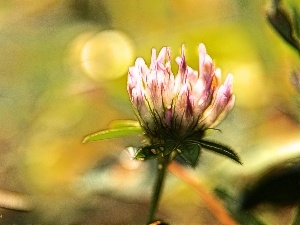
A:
(51, 97)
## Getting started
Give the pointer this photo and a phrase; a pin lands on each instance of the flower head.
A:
(178, 107)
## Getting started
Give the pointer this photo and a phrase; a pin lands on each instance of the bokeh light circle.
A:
(107, 55)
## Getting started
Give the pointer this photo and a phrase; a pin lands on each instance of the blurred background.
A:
(63, 71)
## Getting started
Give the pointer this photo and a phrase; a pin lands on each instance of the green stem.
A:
(161, 172)
(296, 220)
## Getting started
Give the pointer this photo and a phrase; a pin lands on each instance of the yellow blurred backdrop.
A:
(63, 71)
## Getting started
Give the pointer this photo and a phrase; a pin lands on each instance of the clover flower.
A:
(173, 113)
(174, 109)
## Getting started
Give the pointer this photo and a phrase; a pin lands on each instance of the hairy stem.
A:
(157, 190)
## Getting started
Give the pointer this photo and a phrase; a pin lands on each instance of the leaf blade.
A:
(123, 123)
(156, 151)
(112, 133)
(190, 153)
(218, 148)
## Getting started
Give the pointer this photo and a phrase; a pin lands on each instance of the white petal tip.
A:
(202, 48)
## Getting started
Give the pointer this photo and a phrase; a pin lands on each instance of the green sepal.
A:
(218, 148)
(116, 129)
(190, 153)
(155, 151)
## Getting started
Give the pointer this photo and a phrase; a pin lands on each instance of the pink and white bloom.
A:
(169, 106)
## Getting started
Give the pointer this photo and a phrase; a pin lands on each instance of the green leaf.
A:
(155, 151)
(283, 23)
(150, 152)
(296, 19)
(123, 123)
(190, 153)
(113, 133)
(218, 148)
